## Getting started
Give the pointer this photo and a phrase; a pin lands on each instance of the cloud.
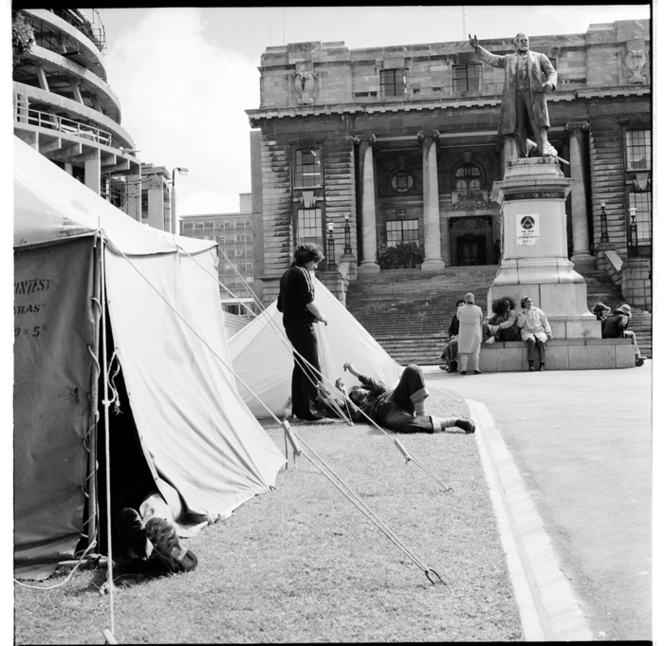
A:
(183, 101)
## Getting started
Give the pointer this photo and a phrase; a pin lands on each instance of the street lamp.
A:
(331, 261)
(604, 233)
(348, 249)
(633, 249)
(182, 171)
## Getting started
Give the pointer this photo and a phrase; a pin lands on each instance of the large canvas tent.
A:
(263, 358)
(70, 248)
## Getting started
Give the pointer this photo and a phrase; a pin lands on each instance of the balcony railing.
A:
(61, 124)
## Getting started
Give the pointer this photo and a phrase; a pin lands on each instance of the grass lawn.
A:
(303, 564)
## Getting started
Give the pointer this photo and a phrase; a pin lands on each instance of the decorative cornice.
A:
(576, 125)
(423, 135)
(535, 195)
(365, 139)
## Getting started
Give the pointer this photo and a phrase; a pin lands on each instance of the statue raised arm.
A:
(529, 76)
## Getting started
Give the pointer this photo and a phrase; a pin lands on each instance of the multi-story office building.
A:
(402, 143)
(65, 109)
(234, 234)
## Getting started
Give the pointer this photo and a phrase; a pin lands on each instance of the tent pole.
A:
(107, 439)
(93, 505)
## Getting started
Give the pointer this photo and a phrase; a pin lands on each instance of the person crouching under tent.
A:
(143, 514)
(402, 409)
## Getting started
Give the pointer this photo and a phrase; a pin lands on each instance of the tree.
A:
(23, 38)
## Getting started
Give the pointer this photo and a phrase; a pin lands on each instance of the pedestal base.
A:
(532, 200)
(433, 264)
(561, 354)
(368, 267)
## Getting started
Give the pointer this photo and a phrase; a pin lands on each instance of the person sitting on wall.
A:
(535, 331)
(451, 349)
(502, 325)
(615, 327)
(601, 311)
(403, 409)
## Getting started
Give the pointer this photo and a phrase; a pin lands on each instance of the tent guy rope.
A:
(333, 477)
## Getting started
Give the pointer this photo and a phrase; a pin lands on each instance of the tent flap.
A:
(54, 334)
(263, 359)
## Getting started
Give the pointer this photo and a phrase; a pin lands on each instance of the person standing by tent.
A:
(403, 409)
(296, 301)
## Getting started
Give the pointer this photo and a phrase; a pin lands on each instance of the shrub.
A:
(403, 255)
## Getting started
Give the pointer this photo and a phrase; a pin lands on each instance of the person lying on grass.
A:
(403, 409)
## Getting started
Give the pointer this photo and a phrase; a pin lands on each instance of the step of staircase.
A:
(408, 311)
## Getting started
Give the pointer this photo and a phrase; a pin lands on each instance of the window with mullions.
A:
(307, 168)
(642, 202)
(309, 226)
(638, 147)
(465, 78)
(392, 82)
(467, 178)
(399, 231)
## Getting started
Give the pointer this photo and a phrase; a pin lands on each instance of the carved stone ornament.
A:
(471, 201)
(305, 87)
(536, 195)
(471, 224)
(635, 61)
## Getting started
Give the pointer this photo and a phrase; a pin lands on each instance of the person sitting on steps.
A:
(451, 349)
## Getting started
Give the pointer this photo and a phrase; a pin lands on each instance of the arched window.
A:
(467, 178)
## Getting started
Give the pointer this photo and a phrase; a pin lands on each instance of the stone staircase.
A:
(408, 311)
(602, 289)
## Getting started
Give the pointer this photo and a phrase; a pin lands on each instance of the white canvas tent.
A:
(194, 430)
(263, 362)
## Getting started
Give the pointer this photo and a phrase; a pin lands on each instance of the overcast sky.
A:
(185, 76)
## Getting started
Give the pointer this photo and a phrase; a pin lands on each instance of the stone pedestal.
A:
(532, 200)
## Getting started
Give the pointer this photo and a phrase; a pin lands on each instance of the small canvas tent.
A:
(194, 430)
(263, 358)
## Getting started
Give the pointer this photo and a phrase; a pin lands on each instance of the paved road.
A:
(582, 442)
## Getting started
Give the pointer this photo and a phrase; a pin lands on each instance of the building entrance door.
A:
(471, 240)
(471, 250)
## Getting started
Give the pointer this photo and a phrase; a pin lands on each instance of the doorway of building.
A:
(471, 249)
(471, 240)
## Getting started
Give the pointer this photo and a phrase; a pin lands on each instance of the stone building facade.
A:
(401, 144)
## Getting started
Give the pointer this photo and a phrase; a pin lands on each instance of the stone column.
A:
(93, 172)
(369, 231)
(432, 257)
(580, 235)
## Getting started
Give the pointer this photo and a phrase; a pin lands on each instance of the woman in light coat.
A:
(535, 331)
(470, 333)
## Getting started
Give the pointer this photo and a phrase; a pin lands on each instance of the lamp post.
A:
(182, 171)
(331, 260)
(633, 233)
(604, 232)
(348, 249)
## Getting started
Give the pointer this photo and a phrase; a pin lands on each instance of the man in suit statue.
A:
(529, 76)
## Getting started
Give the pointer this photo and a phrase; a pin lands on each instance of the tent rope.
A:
(307, 367)
(341, 486)
(107, 440)
(329, 473)
(67, 579)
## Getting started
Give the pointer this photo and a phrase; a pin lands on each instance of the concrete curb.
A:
(547, 605)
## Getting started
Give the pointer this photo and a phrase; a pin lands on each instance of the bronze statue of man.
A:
(529, 76)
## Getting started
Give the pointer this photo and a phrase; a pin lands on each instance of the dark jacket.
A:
(614, 326)
(296, 291)
(453, 330)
